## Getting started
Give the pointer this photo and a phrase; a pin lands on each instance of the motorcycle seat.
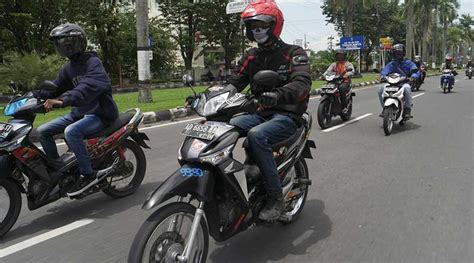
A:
(122, 119)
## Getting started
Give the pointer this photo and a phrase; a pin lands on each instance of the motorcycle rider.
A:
(468, 65)
(448, 64)
(346, 70)
(84, 85)
(419, 62)
(279, 108)
(404, 67)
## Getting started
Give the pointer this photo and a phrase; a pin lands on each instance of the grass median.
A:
(162, 99)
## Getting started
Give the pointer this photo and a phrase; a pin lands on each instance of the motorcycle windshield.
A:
(12, 107)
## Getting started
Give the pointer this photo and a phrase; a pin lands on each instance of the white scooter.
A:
(393, 102)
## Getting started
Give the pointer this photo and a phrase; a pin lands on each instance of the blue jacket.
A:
(406, 67)
(84, 85)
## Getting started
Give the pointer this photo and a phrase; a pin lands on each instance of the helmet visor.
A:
(67, 46)
(398, 54)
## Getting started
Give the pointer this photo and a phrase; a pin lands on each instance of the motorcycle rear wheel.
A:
(347, 116)
(135, 161)
(157, 240)
(295, 207)
(10, 205)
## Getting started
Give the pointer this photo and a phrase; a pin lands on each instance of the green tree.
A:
(28, 70)
(222, 30)
(183, 19)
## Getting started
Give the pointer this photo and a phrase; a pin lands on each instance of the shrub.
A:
(28, 70)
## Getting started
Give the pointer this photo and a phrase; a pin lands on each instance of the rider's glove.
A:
(268, 99)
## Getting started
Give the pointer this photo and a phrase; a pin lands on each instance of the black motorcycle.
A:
(216, 194)
(330, 105)
(26, 169)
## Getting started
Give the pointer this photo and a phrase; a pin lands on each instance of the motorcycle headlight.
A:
(208, 107)
(218, 157)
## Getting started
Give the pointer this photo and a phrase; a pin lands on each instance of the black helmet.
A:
(68, 39)
(398, 51)
(341, 53)
(417, 58)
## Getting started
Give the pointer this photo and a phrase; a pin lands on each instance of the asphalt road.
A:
(403, 198)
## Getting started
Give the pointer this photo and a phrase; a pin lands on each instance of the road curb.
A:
(182, 112)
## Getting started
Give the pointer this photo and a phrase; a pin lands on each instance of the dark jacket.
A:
(84, 85)
(290, 62)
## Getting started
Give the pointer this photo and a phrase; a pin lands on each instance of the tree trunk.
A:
(144, 75)
(443, 39)
(434, 37)
(409, 28)
(349, 18)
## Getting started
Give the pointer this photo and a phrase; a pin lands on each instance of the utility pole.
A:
(305, 43)
(143, 52)
(331, 38)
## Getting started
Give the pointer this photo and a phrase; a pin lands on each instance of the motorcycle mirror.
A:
(266, 78)
(188, 80)
(12, 86)
(48, 86)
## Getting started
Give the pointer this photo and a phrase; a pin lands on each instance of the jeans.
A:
(262, 133)
(74, 132)
(343, 88)
(406, 96)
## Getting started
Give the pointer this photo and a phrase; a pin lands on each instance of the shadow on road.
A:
(93, 207)
(278, 241)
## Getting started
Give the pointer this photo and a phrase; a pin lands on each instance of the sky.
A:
(306, 17)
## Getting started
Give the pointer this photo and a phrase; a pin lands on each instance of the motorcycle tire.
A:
(470, 76)
(301, 170)
(14, 195)
(444, 88)
(387, 121)
(324, 120)
(146, 231)
(137, 179)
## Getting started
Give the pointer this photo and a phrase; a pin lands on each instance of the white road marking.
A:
(43, 237)
(418, 95)
(347, 123)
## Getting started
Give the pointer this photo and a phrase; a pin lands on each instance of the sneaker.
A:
(273, 208)
(83, 183)
(407, 113)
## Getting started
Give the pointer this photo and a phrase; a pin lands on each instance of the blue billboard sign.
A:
(352, 43)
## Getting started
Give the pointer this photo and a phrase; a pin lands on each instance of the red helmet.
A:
(448, 58)
(266, 11)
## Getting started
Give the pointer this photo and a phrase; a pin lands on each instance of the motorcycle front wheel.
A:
(10, 205)
(324, 116)
(444, 87)
(164, 234)
(388, 121)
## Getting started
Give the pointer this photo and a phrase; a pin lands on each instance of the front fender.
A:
(178, 185)
(391, 101)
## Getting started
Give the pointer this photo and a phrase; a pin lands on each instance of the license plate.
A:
(201, 131)
(5, 130)
(328, 86)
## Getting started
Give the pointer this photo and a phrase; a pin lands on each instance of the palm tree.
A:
(466, 21)
(410, 25)
(447, 13)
